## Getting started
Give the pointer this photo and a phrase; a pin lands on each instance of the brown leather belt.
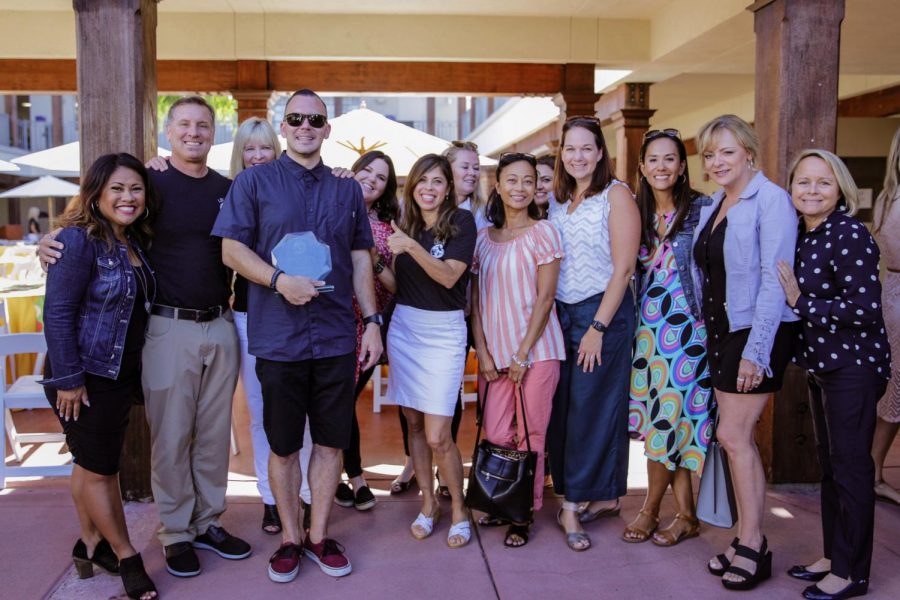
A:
(188, 314)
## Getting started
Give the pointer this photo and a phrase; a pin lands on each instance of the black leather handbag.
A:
(715, 501)
(501, 480)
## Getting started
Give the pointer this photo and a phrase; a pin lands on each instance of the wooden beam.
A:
(35, 76)
(482, 79)
(624, 96)
(881, 103)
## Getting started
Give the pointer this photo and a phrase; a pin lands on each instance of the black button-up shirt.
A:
(837, 270)
(280, 197)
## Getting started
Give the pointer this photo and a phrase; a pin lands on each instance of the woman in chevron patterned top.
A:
(601, 229)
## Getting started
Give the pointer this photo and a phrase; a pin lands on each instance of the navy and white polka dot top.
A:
(836, 267)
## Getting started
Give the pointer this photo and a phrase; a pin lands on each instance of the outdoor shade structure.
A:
(44, 187)
(7, 167)
(61, 161)
(355, 133)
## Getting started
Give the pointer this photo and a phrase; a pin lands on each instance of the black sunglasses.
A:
(511, 157)
(655, 133)
(315, 121)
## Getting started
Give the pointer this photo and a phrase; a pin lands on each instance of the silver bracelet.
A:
(525, 364)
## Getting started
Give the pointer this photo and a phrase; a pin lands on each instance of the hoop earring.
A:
(94, 208)
(683, 179)
(146, 214)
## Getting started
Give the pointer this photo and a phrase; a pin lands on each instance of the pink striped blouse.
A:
(507, 287)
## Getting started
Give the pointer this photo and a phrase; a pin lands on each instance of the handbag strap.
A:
(482, 401)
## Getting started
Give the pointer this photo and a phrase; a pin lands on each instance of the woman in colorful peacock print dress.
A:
(670, 385)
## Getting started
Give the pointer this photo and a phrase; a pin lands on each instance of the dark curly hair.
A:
(82, 211)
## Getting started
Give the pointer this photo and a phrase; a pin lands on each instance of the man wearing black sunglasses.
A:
(304, 339)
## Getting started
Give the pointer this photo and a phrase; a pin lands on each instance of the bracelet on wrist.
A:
(525, 364)
(274, 281)
(379, 266)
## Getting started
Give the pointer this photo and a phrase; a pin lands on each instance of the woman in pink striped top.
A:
(518, 338)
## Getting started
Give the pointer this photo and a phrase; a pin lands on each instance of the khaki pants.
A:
(189, 374)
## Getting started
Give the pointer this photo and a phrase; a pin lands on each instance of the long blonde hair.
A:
(253, 129)
(891, 188)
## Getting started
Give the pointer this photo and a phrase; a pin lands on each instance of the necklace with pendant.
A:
(139, 274)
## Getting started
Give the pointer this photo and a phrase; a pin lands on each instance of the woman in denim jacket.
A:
(750, 226)
(98, 298)
(670, 386)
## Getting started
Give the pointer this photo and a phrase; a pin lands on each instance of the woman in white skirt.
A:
(433, 248)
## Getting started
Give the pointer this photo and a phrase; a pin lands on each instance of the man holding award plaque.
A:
(301, 235)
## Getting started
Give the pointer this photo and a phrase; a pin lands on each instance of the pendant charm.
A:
(437, 250)
(147, 307)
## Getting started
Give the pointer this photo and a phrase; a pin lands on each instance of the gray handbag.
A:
(715, 501)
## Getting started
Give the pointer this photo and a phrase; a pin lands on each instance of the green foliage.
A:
(225, 107)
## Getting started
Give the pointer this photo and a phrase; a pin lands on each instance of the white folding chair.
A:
(379, 389)
(24, 392)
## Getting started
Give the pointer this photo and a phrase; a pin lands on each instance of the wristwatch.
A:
(374, 318)
(599, 326)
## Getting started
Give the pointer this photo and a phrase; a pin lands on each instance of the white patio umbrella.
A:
(60, 161)
(44, 187)
(357, 132)
(7, 167)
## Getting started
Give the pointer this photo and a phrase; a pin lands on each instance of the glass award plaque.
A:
(305, 255)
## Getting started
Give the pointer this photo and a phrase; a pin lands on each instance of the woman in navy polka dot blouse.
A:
(835, 290)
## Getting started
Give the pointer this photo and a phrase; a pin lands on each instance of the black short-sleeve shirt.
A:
(187, 260)
(414, 286)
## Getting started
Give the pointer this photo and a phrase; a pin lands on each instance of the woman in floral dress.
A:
(670, 386)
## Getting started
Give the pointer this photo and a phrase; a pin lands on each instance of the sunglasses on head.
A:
(511, 157)
(589, 118)
(655, 133)
(465, 145)
(315, 121)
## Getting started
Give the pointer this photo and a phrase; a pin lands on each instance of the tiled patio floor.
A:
(38, 528)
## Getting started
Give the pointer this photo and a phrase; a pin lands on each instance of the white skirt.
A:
(427, 358)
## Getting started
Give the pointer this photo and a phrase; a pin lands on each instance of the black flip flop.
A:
(520, 530)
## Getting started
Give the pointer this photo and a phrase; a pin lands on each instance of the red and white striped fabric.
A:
(507, 289)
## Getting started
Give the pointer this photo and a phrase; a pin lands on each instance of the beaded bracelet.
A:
(525, 364)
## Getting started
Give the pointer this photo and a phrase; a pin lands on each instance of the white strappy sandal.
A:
(422, 527)
(461, 530)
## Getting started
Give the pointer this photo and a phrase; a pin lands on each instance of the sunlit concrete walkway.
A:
(38, 527)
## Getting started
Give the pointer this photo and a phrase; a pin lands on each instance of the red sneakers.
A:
(285, 563)
(329, 555)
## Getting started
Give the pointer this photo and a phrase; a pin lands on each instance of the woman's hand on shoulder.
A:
(158, 163)
(50, 250)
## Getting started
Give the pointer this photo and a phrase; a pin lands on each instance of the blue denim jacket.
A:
(682, 246)
(762, 229)
(89, 302)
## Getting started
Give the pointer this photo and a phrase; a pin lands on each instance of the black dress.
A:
(96, 438)
(724, 347)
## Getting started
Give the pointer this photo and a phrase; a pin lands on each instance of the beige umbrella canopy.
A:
(7, 167)
(355, 133)
(44, 187)
(60, 161)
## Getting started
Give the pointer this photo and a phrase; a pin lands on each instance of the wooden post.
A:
(630, 123)
(797, 52)
(116, 66)
(252, 92)
(577, 96)
(431, 112)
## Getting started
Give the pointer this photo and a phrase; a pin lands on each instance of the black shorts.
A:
(321, 389)
(725, 357)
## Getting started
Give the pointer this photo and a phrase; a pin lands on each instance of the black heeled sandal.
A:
(135, 578)
(271, 522)
(103, 557)
(723, 560)
(763, 560)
